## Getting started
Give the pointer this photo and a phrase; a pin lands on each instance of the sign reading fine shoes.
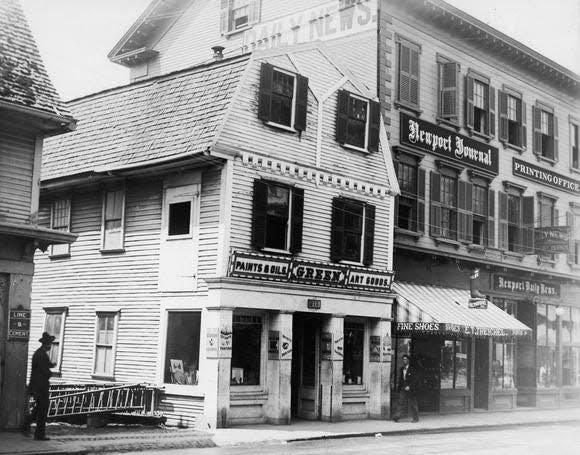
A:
(291, 270)
(431, 138)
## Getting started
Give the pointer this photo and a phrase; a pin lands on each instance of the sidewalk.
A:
(80, 440)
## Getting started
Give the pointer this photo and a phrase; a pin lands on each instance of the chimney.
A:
(473, 282)
(218, 53)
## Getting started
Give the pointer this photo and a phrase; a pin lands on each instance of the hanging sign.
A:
(552, 239)
(477, 303)
(545, 176)
(18, 324)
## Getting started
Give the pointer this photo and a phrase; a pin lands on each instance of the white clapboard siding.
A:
(181, 411)
(16, 166)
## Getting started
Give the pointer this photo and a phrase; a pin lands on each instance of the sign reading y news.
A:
(334, 19)
(525, 286)
(291, 270)
(545, 176)
(431, 138)
(552, 239)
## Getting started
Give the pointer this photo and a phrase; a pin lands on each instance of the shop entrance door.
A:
(426, 355)
(481, 379)
(306, 367)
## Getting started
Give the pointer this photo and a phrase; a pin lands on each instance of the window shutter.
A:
(570, 224)
(435, 218)
(464, 211)
(396, 210)
(503, 115)
(404, 73)
(342, 116)
(469, 101)
(491, 111)
(301, 102)
(374, 125)
(369, 234)
(491, 219)
(254, 13)
(224, 16)
(337, 229)
(421, 200)
(414, 78)
(503, 221)
(555, 137)
(528, 225)
(260, 206)
(297, 220)
(448, 86)
(524, 129)
(266, 75)
(537, 139)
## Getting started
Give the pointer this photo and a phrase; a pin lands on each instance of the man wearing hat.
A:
(39, 385)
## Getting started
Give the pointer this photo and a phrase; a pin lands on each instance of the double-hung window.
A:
(54, 325)
(548, 217)
(60, 220)
(444, 204)
(573, 223)
(545, 132)
(353, 228)
(547, 348)
(113, 220)
(503, 353)
(357, 124)
(408, 73)
(570, 339)
(480, 105)
(455, 364)
(512, 119)
(516, 220)
(277, 216)
(448, 106)
(410, 209)
(480, 229)
(238, 15)
(182, 347)
(574, 145)
(283, 98)
(105, 344)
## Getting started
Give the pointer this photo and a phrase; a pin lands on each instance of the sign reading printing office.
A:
(431, 138)
(291, 270)
(545, 176)
(525, 286)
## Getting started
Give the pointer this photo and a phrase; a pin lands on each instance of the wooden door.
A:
(308, 391)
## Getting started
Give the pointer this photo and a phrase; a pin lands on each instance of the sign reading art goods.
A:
(545, 176)
(525, 286)
(414, 328)
(431, 138)
(290, 270)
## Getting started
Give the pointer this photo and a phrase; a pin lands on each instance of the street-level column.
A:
(331, 358)
(380, 368)
(218, 330)
(279, 368)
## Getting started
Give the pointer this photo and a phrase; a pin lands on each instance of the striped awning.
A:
(429, 309)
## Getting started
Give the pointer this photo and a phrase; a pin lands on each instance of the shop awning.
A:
(428, 309)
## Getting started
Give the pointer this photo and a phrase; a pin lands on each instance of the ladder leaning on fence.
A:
(79, 399)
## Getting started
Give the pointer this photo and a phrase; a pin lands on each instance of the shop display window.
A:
(570, 366)
(541, 324)
(352, 368)
(546, 367)
(575, 314)
(566, 328)
(455, 364)
(503, 366)
(246, 349)
(182, 347)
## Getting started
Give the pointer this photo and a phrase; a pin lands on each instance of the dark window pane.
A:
(182, 348)
(353, 229)
(179, 218)
(282, 96)
(246, 347)
(357, 121)
(352, 370)
(277, 215)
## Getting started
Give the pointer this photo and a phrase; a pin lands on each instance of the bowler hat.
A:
(46, 338)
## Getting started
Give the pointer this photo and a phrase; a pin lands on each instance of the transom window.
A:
(353, 225)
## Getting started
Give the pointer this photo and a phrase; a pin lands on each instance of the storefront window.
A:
(552, 325)
(352, 368)
(246, 349)
(503, 365)
(541, 324)
(454, 364)
(546, 362)
(182, 347)
(576, 325)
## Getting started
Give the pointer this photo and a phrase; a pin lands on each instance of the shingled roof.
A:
(23, 78)
(165, 118)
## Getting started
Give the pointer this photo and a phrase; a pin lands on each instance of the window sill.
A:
(454, 125)
(103, 377)
(551, 262)
(514, 255)
(59, 256)
(473, 247)
(355, 391)
(442, 240)
(355, 148)
(408, 233)
(574, 170)
(281, 127)
(243, 393)
(276, 251)
(230, 33)
(345, 262)
(189, 390)
(405, 107)
(112, 251)
(545, 159)
(477, 134)
(171, 238)
(517, 148)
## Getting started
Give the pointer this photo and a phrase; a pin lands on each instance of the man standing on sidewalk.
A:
(39, 386)
(407, 382)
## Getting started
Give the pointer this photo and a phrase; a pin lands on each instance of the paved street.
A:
(561, 439)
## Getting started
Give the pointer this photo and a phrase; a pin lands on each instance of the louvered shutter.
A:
(421, 201)
(537, 139)
(555, 137)
(396, 210)
(342, 116)
(469, 101)
(491, 111)
(297, 220)
(491, 219)
(448, 86)
(528, 225)
(260, 207)
(414, 77)
(369, 234)
(374, 125)
(571, 229)
(465, 211)
(224, 16)
(266, 75)
(337, 229)
(503, 116)
(404, 73)
(435, 218)
(301, 102)
(524, 130)
(503, 221)
(254, 13)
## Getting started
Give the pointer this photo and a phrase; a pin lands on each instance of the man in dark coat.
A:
(39, 385)
(408, 380)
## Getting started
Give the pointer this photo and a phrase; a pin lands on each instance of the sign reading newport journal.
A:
(431, 138)
(545, 176)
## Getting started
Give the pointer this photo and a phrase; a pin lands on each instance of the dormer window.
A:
(357, 123)
(283, 98)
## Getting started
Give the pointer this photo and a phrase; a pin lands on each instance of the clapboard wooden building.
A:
(234, 241)
(30, 110)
